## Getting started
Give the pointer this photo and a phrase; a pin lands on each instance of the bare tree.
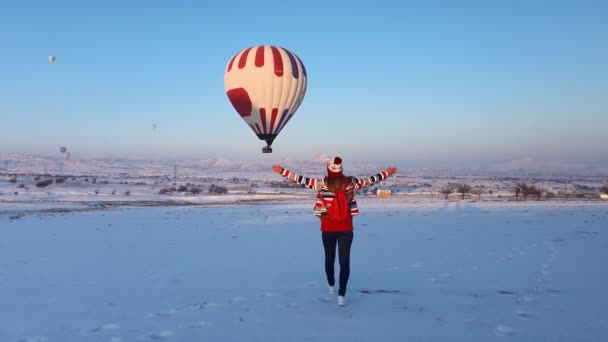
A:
(522, 188)
(517, 190)
(531, 190)
(44, 183)
(447, 189)
(218, 190)
(604, 189)
(478, 190)
(526, 190)
(463, 189)
(535, 191)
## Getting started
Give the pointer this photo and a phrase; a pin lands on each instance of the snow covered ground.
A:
(421, 271)
(134, 180)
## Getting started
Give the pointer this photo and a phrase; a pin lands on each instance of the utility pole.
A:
(174, 172)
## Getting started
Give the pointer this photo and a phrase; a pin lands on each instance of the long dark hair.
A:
(336, 183)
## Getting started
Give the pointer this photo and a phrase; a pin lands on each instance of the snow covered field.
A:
(98, 182)
(437, 271)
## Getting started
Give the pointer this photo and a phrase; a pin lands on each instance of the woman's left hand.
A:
(277, 168)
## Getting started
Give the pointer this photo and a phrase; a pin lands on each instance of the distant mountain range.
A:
(534, 166)
(315, 167)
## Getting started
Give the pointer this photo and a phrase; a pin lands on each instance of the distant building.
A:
(604, 196)
(384, 192)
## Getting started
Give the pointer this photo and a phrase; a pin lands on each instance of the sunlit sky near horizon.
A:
(417, 82)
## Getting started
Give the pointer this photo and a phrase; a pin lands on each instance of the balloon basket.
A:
(267, 149)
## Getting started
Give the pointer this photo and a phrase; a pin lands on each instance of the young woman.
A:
(336, 231)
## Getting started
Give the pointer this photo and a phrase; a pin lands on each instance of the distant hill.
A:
(532, 166)
(223, 167)
(214, 167)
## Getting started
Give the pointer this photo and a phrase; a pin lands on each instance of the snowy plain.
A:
(441, 271)
(104, 256)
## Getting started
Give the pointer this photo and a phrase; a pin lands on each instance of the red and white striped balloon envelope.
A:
(266, 85)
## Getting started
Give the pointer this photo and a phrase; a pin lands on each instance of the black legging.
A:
(344, 241)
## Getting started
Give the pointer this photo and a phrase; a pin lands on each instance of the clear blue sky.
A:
(415, 82)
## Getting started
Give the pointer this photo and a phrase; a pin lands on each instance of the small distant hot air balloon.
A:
(52, 59)
(62, 149)
(154, 126)
(266, 85)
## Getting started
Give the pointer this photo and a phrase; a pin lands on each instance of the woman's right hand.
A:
(391, 170)
(277, 168)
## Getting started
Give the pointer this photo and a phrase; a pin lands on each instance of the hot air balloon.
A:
(266, 85)
(52, 59)
(153, 126)
(62, 149)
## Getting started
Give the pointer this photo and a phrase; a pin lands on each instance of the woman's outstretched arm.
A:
(310, 183)
(365, 182)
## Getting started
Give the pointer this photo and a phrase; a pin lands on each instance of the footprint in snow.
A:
(440, 278)
(160, 335)
(33, 339)
(164, 313)
(202, 305)
(115, 339)
(201, 324)
(199, 306)
(522, 313)
(472, 321)
(416, 265)
(526, 300)
(105, 327)
(504, 330)
(324, 299)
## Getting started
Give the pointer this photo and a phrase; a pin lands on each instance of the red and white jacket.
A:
(319, 185)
